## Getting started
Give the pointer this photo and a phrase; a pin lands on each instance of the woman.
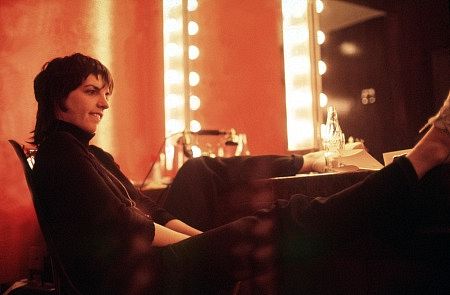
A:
(111, 239)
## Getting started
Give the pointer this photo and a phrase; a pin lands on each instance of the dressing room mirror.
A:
(242, 73)
(356, 81)
(240, 67)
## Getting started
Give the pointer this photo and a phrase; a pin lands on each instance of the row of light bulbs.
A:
(193, 54)
(181, 54)
(323, 98)
(178, 56)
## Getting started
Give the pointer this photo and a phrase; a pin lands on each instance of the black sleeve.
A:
(86, 217)
(144, 202)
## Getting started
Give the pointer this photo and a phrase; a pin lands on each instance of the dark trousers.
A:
(204, 185)
(268, 247)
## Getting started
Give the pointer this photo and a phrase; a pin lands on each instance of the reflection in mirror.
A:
(240, 69)
(356, 82)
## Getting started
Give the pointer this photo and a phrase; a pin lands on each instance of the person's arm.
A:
(313, 162)
(145, 203)
(181, 227)
(165, 236)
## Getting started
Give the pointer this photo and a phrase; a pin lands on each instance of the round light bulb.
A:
(319, 6)
(192, 5)
(320, 37)
(194, 78)
(322, 67)
(194, 52)
(194, 102)
(173, 49)
(196, 151)
(195, 126)
(323, 100)
(192, 28)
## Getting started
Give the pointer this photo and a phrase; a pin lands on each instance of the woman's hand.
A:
(313, 162)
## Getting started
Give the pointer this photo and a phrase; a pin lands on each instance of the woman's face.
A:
(85, 104)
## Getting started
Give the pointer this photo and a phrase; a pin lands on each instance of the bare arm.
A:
(313, 162)
(165, 236)
(181, 227)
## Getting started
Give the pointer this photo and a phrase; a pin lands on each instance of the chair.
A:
(63, 283)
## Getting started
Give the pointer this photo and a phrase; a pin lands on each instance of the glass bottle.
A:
(333, 140)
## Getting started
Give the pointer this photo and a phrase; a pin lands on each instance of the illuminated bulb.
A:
(194, 78)
(172, 3)
(295, 9)
(192, 5)
(195, 126)
(319, 6)
(174, 101)
(320, 37)
(194, 102)
(298, 64)
(194, 52)
(173, 49)
(297, 34)
(323, 100)
(174, 25)
(196, 151)
(174, 126)
(322, 67)
(174, 77)
(192, 28)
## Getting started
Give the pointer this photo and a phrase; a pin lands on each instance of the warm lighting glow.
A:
(323, 100)
(298, 76)
(295, 9)
(322, 67)
(174, 126)
(300, 64)
(320, 37)
(194, 52)
(349, 49)
(172, 3)
(170, 154)
(194, 102)
(173, 50)
(173, 25)
(319, 6)
(195, 126)
(192, 5)
(174, 101)
(174, 77)
(196, 151)
(192, 28)
(297, 34)
(194, 78)
(101, 12)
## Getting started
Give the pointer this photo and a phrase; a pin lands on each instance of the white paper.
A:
(359, 158)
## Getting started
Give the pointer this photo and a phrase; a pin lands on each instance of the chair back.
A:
(27, 160)
(62, 281)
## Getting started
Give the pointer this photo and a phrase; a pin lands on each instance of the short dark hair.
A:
(56, 80)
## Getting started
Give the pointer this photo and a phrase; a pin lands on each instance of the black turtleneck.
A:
(92, 209)
(83, 136)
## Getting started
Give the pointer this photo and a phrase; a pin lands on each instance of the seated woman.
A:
(113, 240)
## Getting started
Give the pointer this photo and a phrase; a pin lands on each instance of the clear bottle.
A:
(334, 139)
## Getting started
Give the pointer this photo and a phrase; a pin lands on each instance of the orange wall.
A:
(32, 32)
(241, 68)
(241, 87)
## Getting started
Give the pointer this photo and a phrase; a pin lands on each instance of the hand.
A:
(313, 162)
